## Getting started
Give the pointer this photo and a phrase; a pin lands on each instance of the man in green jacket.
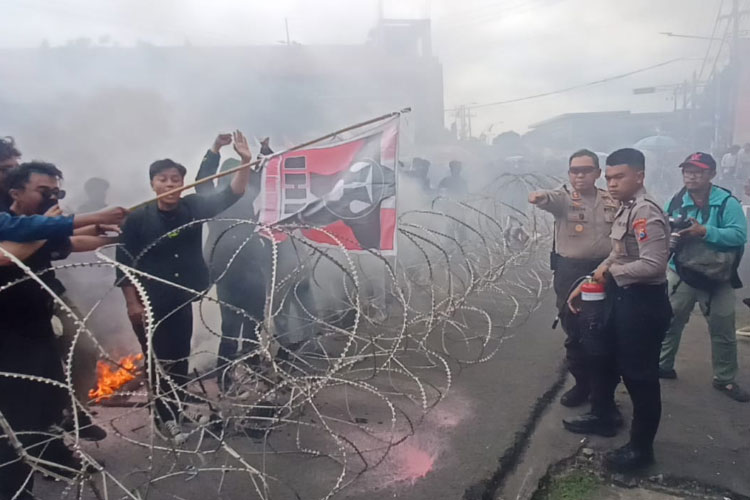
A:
(719, 229)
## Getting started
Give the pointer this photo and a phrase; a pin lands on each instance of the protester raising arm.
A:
(210, 164)
(239, 181)
(208, 206)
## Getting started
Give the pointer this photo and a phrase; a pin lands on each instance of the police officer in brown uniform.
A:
(638, 314)
(583, 219)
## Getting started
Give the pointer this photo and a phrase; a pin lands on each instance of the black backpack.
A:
(697, 263)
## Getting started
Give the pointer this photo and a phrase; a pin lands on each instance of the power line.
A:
(724, 42)
(568, 89)
(711, 43)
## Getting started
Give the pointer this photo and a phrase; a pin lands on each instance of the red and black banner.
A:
(347, 189)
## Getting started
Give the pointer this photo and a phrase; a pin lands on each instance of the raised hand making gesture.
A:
(221, 141)
(242, 147)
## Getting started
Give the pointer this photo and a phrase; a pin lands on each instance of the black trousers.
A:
(27, 405)
(240, 282)
(567, 272)
(247, 292)
(171, 343)
(639, 318)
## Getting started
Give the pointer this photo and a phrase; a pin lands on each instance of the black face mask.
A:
(46, 204)
(50, 199)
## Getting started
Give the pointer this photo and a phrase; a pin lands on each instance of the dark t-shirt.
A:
(225, 237)
(5, 202)
(153, 243)
(26, 307)
(50, 278)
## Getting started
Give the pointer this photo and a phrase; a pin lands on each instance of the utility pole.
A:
(463, 118)
(735, 72)
(286, 25)
(735, 30)
(691, 112)
(468, 117)
(727, 87)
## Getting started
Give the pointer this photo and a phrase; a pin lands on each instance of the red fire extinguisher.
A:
(593, 316)
(591, 291)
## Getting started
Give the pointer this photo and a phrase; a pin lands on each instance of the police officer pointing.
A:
(639, 314)
(583, 219)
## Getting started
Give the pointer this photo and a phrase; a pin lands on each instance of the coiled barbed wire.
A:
(389, 334)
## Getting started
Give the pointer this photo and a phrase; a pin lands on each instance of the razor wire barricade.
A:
(382, 340)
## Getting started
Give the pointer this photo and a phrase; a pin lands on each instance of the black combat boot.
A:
(590, 423)
(629, 458)
(576, 396)
(670, 374)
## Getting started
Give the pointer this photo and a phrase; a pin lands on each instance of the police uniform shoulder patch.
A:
(639, 229)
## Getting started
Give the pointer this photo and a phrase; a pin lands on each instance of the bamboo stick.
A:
(255, 164)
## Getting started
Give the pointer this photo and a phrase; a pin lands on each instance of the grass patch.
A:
(575, 485)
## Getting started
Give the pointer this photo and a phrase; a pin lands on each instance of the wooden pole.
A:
(206, 179)
(257, 163)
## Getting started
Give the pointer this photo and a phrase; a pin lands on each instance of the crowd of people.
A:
(645, 266)
(33, 233)
(652, 263)
(735, 164)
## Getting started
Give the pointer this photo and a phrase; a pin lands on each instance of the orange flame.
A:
(109, 381)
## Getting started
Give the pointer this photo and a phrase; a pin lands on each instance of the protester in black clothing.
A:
(454, 185)
(96, 194)
(421, 173)
(85, 354)
(27, 347)
(162, 240)
(29, 182)
(240, 277)
(18, 234)
(27, 343)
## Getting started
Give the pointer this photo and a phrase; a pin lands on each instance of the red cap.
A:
(700, 160)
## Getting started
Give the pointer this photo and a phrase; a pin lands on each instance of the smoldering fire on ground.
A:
(367, 391)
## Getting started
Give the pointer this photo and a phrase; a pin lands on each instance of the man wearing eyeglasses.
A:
(19, 234)
(709, 235)
(583, 220)
(27, 344)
